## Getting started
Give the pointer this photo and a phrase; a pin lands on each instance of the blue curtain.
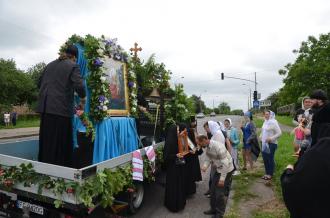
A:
(114, 136)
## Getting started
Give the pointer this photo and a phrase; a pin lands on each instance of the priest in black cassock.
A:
(305, 186)
(175, 192)
(193, 170)
(321, 118)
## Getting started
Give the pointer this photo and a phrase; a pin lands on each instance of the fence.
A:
(286, 109)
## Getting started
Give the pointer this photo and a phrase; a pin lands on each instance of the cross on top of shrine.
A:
(135, 50)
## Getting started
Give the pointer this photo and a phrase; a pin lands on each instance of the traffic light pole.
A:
(255, 93)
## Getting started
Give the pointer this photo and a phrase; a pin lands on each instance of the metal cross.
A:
(135, 50)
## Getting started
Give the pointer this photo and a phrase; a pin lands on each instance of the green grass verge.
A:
(285, 120)
(283, 157)
(23, 124)
(258, 122)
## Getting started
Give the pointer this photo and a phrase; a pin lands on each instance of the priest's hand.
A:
(179, 155)
(204, 169)
(221, 184)
(290, 166)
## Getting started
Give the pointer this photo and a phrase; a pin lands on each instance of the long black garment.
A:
(193, 171)
(306, 189)
(55, 140)
(321, 123)
(175, 193)
(83, 155)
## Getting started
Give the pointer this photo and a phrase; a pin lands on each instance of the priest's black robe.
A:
(306, 189)
(175, 193)
(321, 123)
(193, 170)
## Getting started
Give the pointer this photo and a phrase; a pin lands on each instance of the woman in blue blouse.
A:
(249, 133)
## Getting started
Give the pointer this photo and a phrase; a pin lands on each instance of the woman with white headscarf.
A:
(215, 129)
(269, 134)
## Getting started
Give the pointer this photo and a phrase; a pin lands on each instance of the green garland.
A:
(132, 86)
(104, 185)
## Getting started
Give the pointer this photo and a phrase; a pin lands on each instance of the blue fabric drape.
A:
(77, 126)
(82, 62)
(114, 136)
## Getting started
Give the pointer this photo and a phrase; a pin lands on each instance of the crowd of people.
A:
(305, 185)
(220, 143)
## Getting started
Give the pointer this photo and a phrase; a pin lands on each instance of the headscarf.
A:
(213, 126)
(302, 102)
(216, 132)
(230, 122)
(265, 135)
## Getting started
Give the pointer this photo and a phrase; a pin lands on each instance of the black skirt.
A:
(55, 140)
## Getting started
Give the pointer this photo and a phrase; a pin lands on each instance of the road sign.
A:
(259, 95)
(265, 103)
(256, 104)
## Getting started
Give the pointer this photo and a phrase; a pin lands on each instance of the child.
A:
(301, 133)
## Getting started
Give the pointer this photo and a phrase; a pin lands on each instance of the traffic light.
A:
(255, 95)
(222, 76)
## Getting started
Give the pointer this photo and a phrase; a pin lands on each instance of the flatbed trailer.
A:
(23, 201)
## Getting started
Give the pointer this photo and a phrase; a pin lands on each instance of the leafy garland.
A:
(132, 86)
(104, 185)
(96, 50)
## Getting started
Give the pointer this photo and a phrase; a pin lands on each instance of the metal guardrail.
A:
(286, 109)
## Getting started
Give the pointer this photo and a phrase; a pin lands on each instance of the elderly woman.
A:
(269, 134)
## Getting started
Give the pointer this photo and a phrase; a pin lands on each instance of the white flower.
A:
(106, 102)
(103, 79)
(101, 103)
(105, 108)
(100, 51)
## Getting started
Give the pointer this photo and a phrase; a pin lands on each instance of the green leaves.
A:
(310, 71)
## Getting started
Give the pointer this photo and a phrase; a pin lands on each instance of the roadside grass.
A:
(242, 183)
(283, 157)
(240, 188)
(23, 124)
(285, 120)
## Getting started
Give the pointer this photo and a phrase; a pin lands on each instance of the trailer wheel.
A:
(136, 198)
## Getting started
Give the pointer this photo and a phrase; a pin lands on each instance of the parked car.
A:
(200, 115)
(212, 114)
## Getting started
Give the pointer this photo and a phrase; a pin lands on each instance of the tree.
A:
(35, 72)
(177, 109)
(224, 108)
(16, 86)
(310, 71)
(199, 104)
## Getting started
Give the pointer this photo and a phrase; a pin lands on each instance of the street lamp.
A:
(249, 98)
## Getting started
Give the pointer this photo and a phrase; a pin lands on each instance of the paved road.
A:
(18, 132)
(154, 193)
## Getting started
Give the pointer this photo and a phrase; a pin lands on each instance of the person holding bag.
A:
(269, 134)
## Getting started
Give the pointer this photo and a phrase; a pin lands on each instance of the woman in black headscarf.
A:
(305, 186)
(175, 192)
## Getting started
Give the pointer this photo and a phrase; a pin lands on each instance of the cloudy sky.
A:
(197, 40)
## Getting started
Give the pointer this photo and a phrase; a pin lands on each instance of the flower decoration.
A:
(98, 62)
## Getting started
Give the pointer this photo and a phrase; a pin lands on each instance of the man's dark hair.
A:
(201, 137)
(71, 50)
